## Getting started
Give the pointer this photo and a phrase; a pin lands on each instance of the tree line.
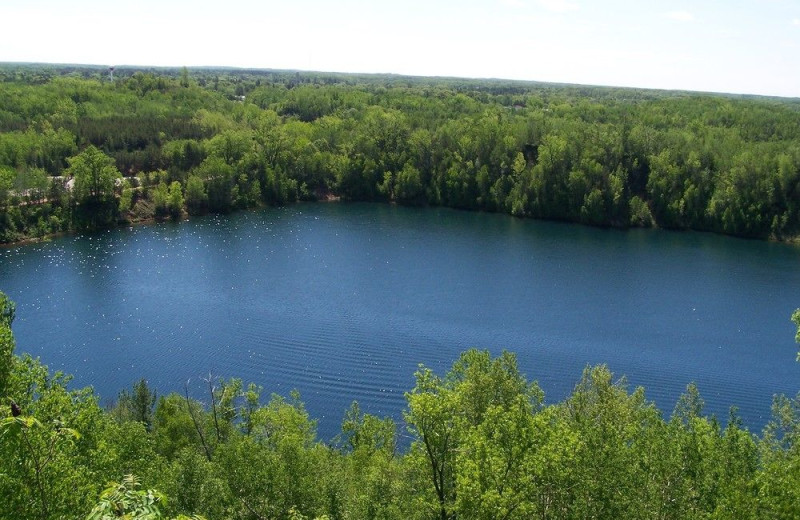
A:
(163, 143)
(482, 445)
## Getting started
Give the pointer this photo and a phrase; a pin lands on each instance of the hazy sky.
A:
(723, 46)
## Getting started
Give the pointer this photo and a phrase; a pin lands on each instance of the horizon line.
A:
(397, 75)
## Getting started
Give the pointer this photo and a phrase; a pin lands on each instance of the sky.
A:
(733, 46)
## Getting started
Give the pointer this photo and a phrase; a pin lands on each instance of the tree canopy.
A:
(94, 174)
(234, 139)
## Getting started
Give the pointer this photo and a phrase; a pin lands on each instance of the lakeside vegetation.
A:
(80, 152)
(482, 444)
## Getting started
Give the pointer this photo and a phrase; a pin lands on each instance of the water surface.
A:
(343, 301)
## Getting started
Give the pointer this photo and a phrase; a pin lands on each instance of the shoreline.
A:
(330, 199)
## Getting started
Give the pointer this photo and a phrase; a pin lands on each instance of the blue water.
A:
(343, 301)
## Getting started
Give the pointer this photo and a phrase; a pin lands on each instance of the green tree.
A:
(8, 310)
(7, 345)
(640, 213)
(33, 184)
(7, 176)
(175, 200)
(126, 198)
(796, 320)
(408, 187)
(37, 444)
(196, 197)
(362, 431)
(219, 177)
(137, 404)
(45, 463)
(174, 427)
(95, 175)
(441, 412)
(160, 197)
(779, 479)
(277, 466)
(611, 424)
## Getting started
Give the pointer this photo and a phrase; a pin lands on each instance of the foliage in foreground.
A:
(82, 152)
(484, 445)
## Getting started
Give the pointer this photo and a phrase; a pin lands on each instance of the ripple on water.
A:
(343, 302)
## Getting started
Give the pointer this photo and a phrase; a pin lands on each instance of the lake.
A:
(343, 301)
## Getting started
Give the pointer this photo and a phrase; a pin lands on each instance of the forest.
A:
(81, 151)
(478, 442)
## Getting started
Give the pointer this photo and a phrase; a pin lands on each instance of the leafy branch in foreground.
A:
(39, 443)
(124, 500)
